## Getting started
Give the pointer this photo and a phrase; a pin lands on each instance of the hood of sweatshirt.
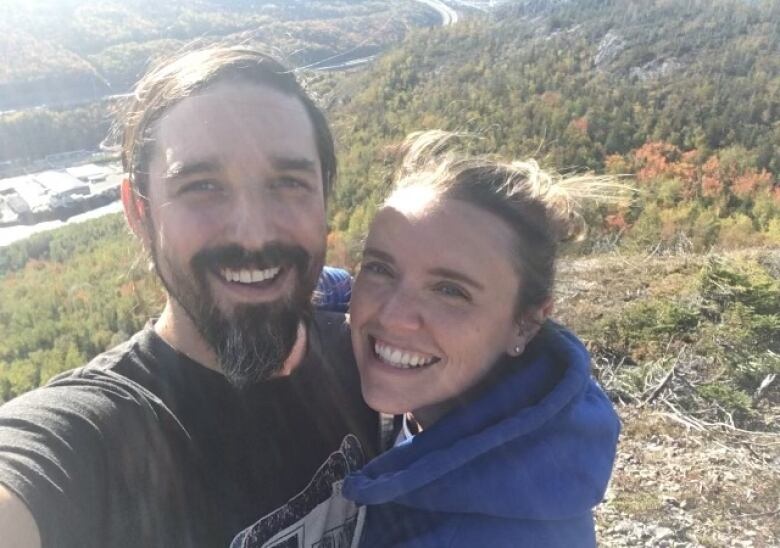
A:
(538, 444)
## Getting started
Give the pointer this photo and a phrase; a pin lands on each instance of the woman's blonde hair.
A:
(543, 208)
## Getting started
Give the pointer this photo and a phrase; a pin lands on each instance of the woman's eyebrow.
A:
(457, 276)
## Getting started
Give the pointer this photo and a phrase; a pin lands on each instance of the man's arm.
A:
(52, 462)
(17, 526)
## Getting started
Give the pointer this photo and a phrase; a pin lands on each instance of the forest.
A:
(67, 295)
(65, 51)
(580, 87)
(67, 63)
(28, 135)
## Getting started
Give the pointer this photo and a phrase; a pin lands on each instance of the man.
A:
(225, 407)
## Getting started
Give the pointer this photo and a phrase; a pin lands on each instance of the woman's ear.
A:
(528, 326)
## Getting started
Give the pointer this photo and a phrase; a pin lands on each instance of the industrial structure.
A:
(57, 194)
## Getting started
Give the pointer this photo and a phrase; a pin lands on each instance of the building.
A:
(88, 173)
(38, 197)
(60, 187)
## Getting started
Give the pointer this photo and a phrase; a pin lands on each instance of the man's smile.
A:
(249, 276)
(248, 285)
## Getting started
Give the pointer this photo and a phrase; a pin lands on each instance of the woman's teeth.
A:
(403, 359)
(249, 276)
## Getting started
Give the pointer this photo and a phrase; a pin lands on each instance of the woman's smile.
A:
(400, 356)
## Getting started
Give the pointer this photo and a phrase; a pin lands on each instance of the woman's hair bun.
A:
(434, 157)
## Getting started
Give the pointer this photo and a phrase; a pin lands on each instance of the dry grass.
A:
(678, 486)
(699, 457)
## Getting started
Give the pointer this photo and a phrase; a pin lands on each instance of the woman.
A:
(507, 441)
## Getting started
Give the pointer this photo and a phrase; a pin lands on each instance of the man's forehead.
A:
(229, 121)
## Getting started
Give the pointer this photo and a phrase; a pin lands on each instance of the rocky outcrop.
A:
(657, 68)
(609, 48)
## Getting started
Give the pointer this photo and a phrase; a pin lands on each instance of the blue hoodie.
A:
(334, 289)
(522, 465)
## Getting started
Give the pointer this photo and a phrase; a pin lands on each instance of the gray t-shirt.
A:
(144, 447)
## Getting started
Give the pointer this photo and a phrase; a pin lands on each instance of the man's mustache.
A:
(237, 257)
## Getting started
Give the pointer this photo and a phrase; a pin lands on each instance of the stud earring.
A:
(517, 349)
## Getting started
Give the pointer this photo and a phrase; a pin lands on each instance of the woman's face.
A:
(433, 307)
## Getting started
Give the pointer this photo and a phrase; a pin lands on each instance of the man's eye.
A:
(291, 182)
(376, 268)
(206, 185)
(449, 289)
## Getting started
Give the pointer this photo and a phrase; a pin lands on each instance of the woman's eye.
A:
(452, 290)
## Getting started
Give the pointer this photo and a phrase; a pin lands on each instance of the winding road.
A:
(448, 15)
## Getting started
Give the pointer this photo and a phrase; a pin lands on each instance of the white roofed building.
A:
(88, 173)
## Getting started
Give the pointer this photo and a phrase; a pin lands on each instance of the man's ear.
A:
(135, 210)
(528, 326)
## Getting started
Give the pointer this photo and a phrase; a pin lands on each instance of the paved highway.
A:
(448, 15)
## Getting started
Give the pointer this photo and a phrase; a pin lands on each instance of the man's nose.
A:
(252, 220)
(401, 310)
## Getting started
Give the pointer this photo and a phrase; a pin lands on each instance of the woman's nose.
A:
(401, 310)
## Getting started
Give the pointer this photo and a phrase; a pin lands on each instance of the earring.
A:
(518, 349)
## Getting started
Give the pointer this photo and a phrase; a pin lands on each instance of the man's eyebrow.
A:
(286, 163)
(178, 170)
(457, 276)
(374, 252)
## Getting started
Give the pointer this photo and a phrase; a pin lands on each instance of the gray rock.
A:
(662, 533)
(609, 48)
(655, 69)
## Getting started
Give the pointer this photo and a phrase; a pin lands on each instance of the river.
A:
(11, 234)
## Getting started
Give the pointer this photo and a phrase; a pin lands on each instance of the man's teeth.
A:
(403, 359)
(249, 276)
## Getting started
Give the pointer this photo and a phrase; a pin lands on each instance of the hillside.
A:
(684, 95)
(77, 50)
(688, 348)
(65, 60)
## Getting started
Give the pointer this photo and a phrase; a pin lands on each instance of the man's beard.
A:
(252, 343)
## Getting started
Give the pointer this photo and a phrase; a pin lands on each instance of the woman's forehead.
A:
(444, 230)
(413, 199)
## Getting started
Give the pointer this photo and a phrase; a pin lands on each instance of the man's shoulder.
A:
(127, 365)
(107, 387)
(331, 324)
(87, 437)
(330, 336)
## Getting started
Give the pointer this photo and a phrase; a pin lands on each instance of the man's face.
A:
(237, 221)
